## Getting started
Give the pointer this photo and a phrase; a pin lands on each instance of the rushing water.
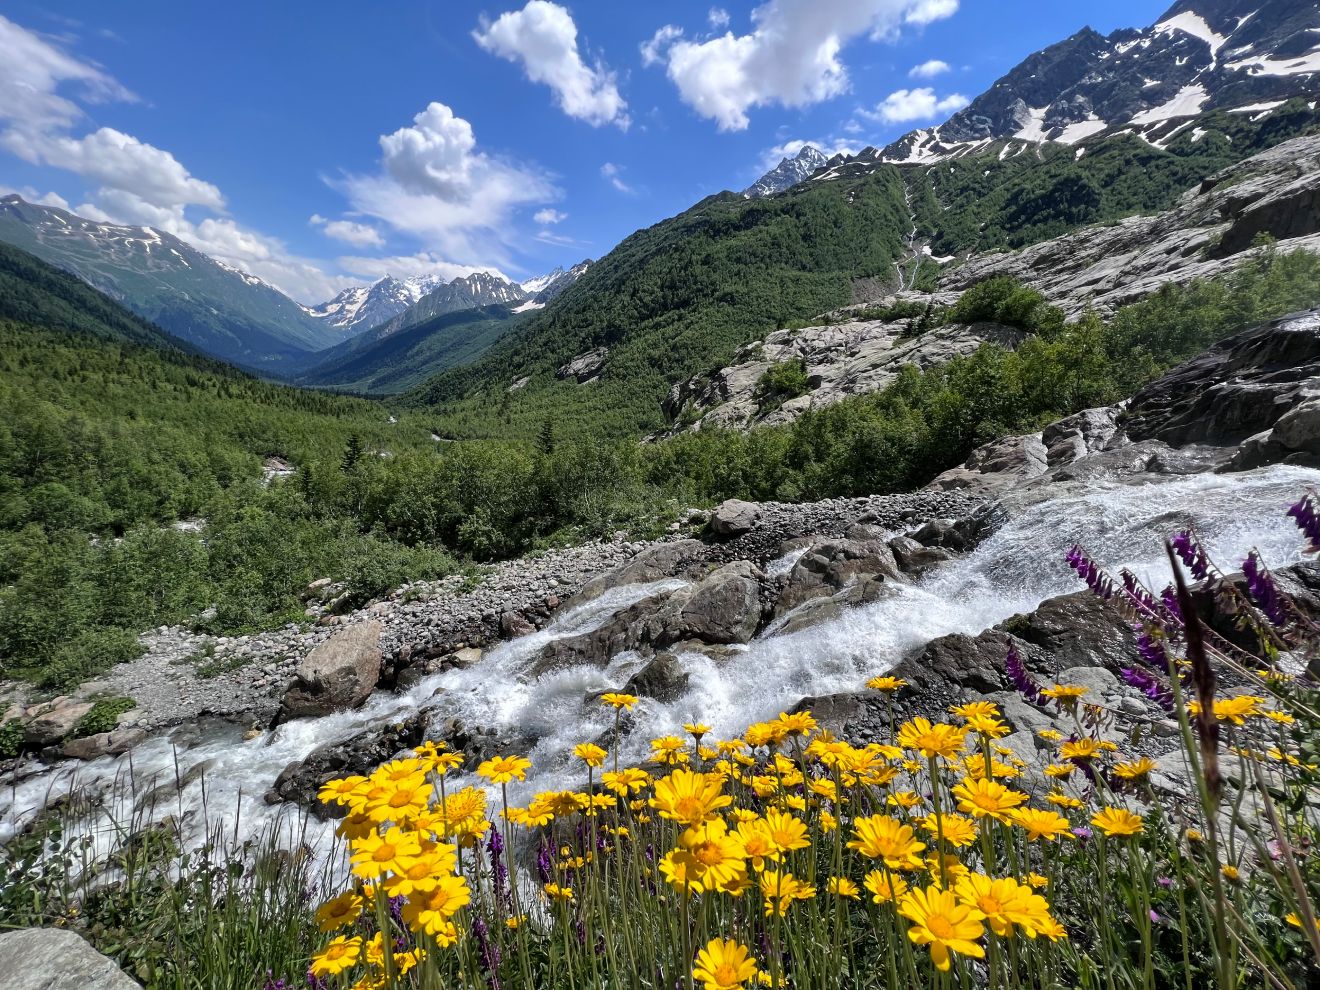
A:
(1012, 571)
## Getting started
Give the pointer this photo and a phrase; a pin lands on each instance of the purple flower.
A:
(1082, 832)
(1154, 915)
(1191, 553)
(1169, 596)
(1308, 520)
(543, 864)
(1090, 572)
(487, 952)
(495, 846)
(1260, 584)
(1149, 685)
(1017, 673)
(1165, 882)
(274, 984)
(1151, 650)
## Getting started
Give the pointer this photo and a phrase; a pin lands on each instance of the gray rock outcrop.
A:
(53, 959)
(337, 675)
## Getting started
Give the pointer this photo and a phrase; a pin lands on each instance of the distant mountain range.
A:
(1243, 56)
(361, 307)
(788, 173)
(222, 311)
(546, 287)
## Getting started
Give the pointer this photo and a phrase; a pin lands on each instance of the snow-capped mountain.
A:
(788, 173)
(222, 310)
(1241, 56)
(469, 292)
(362, 307)
(545, 287)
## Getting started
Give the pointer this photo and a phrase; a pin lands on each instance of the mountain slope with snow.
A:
(223, 311)
(788, 173)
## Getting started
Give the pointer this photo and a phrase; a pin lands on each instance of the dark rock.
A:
(113, 743)
(673, 559)
(512, 624)
(915, 559)
(828, 567)
(663, 678)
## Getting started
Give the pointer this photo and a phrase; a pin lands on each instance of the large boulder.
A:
(663, 678)
(337, 675)
(54, 959)
(832, 565)
(673, 559)
(116, 742)
(54, 723)
(734, 517)
(724, 608)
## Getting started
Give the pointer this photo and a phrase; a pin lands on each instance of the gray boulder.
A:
(55, 723)
(724, 608)
(735, 517)
(116, 742)
(664, 560)
(337, 675)
(52, 959)
(663, 678)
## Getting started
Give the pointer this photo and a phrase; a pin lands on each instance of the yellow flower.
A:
(1060, 770)
(987, 799)
(423, 873)
(1136, 769)
(947, 865)
(336, 957)
(616, 699)
(1037, 881)
(988, 726)
(688, 797)
(514, 920)
(758, 845)
(1066, 694)
(708, 858)
(1116, 822)
(942, 922)
(590, 754)
(431, 910)
(1040, 824)
(975, 709)
(1064, 801)
(886, 684)
(375, 855)
(669, 750)
(339, 791)
(502, 769)
(1194, 836)
(903, 799)
(1294, 919)
(407, 800)
(723, 965)
(781, 890)
(797, 724)
(785, 831)
(842, 887)
(884, 889)
(1005, 903)
(339, 911)
(1052, 735)
(1080, 749)
(1283, 718)
(1236, 710)
(1230, 872)
(932, 741)
(697, 729)
(557, 892)
(882, 837)
(828, 823)
(957, 830)
(623, 782)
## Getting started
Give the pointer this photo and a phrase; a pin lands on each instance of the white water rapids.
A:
(1013, 571)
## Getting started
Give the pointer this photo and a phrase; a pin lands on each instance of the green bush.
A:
(780, 382)
(103, 717)
(1003, 299)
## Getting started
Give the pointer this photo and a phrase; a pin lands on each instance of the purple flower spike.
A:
(1192, 554)
(1260, 584)
(543, 864)
(1149, 685)
(1151, 650)
(1308, 520)
(1090, 572)
(1017, 673)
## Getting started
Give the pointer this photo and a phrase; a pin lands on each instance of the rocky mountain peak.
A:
(788, 173)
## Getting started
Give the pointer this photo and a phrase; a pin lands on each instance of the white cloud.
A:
(904, 105)
(929, 69)
(357, 234)
(614, 174)
(718, 18)
(543, 37)
(653, 49)
(790, 58)
(929, 11)
(421, 263)
(436, 184)
(34, 196)
(549, 216)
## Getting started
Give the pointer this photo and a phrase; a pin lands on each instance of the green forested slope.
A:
(679, 297)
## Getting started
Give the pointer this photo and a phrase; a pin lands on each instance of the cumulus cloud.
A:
(436, 184)
(653, 49)
(718, 18)
(33, 195)
(549, 216)
(929, 69)
(905, 105)
(421, 263)
(790, 58)
(543, 38)
(614, 175)
(357, 234)
(42, 87)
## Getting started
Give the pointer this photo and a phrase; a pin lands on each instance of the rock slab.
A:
(337, 675)
(51, 959)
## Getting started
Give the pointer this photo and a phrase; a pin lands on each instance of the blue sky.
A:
(323, 144)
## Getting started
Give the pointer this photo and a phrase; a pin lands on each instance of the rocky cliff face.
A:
(1208, 232)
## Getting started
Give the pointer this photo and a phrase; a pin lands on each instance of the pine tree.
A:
(352, 453)
(545, 439)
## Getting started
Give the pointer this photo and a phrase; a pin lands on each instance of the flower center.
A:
(726, 975)
(940, 927)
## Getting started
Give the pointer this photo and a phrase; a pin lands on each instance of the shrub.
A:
(780, 382)
(103, 717)
(1003, 299)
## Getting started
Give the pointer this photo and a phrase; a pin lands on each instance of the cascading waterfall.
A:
(1018, 567)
